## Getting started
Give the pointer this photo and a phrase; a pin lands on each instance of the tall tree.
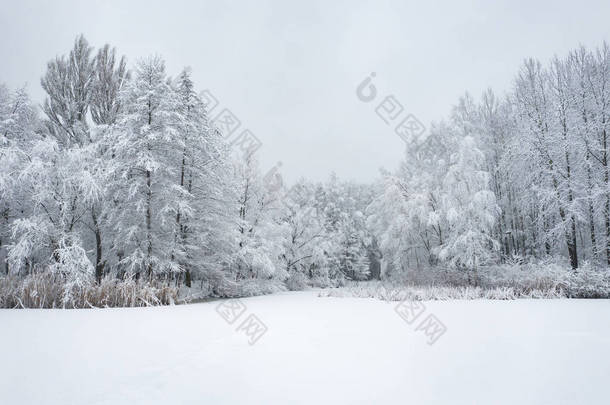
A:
(144, 148)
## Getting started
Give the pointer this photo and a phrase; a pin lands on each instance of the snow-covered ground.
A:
(315, 351)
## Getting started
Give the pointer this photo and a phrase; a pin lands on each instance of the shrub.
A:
(49, 290)
(503, 282)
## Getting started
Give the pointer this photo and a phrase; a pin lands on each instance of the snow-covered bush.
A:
(250, 288)
(436, 293)
(511, 281)
(588, 282)
(297, 281)
(226, 288)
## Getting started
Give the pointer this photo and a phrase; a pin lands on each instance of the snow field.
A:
(315, 351)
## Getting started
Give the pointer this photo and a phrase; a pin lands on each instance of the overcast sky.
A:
(289, 69)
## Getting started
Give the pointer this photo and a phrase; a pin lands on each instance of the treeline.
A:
(123, 189)
(512, 178)
(124, 177)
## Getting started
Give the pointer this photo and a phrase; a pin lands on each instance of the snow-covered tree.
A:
(144, 150)
(257, 237)
(470, 209)
(69, 83)
(18, 123)
(204, 173)
(305, 242)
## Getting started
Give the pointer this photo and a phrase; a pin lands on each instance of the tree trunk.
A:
(149, 224)
(187, 278)
(572, 246)
(607, 202)
(99, 265)
(570, 238)
(591, 212)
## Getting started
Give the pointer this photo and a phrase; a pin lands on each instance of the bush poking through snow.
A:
(47, 290)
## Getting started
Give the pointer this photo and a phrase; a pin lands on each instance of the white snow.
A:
(316, 351)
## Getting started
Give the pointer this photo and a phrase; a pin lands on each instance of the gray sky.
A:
(289, 69)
